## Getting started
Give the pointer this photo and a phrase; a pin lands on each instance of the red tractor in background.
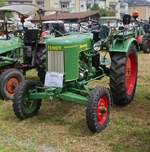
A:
(143, 35)
(140, 30)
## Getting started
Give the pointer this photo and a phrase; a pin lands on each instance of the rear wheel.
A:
(9, 80)
(41, 63)
(98, 109)
(22, 105)
(123, 76)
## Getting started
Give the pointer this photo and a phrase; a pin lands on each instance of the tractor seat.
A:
(31, 36)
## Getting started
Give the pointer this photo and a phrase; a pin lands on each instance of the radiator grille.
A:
(56, 61)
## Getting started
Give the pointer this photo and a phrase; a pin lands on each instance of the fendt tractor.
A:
(71, 62)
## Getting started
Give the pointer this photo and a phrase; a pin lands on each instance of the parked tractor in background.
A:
(139, 29)
(17, 48)
(146, 38)
(71, 62)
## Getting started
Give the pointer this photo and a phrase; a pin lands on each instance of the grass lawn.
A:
(61, 127)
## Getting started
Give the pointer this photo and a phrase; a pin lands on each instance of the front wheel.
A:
(123, 76)
(98, 109)
(22, 105)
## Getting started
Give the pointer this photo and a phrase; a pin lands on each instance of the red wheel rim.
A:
(130, 73)
(11, 84)
(102, 110)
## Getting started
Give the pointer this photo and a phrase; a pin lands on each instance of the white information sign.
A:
(54, 79)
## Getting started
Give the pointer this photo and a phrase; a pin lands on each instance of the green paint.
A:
(5, 63)
(76, 98)
(66, 96)
(103, 110)
(140, 30)
(71, 45)
(39, 95)
(122, 45)
(28, 105)
(10, 45)
(71, 64)
(69, 40)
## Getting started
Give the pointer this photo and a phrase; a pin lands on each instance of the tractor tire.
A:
(98, 109)
(123, 76)
(22, 106)
(146, 46)
(9, 80)
(40, 63)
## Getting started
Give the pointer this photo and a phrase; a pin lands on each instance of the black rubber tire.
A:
(18, 105)
(40, 62)
(117, 77)
(145, 46)
(4, 77)
(91, 110)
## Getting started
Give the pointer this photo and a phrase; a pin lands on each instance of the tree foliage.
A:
(95, 7)
(2, 2)
(102, 11)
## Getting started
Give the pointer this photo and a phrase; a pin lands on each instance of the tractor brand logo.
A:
(70, 46)
(54, 48)
(83, 46)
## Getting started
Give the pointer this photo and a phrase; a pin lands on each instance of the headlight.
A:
(97, 46)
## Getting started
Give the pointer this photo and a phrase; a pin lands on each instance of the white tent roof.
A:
(23, 9)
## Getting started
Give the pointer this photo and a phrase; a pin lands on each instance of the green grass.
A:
(61, 126)
(123, 148)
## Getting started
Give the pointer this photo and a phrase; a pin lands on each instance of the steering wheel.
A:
(56, 32)
(91, 25)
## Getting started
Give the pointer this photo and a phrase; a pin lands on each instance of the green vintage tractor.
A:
(71, 62)
(18, 47)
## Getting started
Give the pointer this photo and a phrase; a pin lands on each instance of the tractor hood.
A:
(64, 52)
(69, 40)
(8, 45)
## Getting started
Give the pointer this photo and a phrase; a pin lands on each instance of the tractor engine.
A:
(85, 71)
(68, 56)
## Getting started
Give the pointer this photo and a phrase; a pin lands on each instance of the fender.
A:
(123, 45)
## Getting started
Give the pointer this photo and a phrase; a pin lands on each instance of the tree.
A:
(106, 12)
(2, 2)
(102, 11)
(95, 7)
